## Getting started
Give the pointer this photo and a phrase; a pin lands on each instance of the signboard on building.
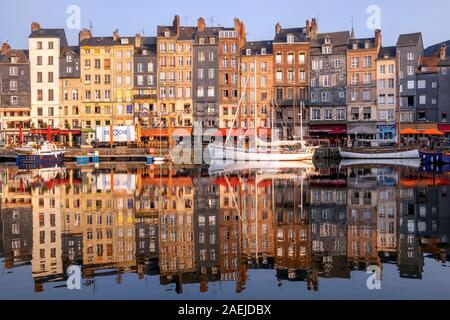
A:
(120, 134)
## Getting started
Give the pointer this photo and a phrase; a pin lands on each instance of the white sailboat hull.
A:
(267, 166)
(218, 152)
(409, 154)
(412, 163)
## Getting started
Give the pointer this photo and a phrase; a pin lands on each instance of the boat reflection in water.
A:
(268, 232)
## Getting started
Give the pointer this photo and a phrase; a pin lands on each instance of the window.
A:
(290, 38)
(50, 60)
(39, 61)
(340, 114)
(200, 92)
(367, 113)
(368, 61)
(410, 70)
(13, 85)
(302, 75)
(391, 83)
(327, 50)
(391, 99)
(39, 45)
(200, 73)
(50, 77)
(211, 92)
(382, 99)
(382, 84)
(422, 99)
(355, 62)
(366, 95)
(14, 100)
(51, 45)
(13, 71)
(290, 58)
(355, 114)
(328, 114)
(411, 84)
(421, 84)
(279, 75)
(422, 115)
(337, 63)
(355, 79)
(391, 68)
(444, 71)
(51, 96)
(410, 56)
(316, 114)
(382, 69)
(354, 95)
(279, 58)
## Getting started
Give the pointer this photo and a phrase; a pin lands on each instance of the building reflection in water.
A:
(188, 227)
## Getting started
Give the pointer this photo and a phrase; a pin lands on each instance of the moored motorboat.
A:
(379, 153)
(45, 154)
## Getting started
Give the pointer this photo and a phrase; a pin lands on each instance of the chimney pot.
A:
(378, 38)
(5, 48)
(176, 25)
(443, 54)
(84, 34)
(35, 27)
(138, 40)
(201, 24)
(277, 28)
(116, 35)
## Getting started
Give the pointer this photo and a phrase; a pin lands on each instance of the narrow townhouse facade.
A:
(15, 99)
(45, 47)
(257, 69)
(362, 111)
(206, 78)
(123, 69)
(291, 76)
(231, 41)
(145, 81)
(96, 56)
(387, 95)
(70, 95)
(409, 50)
(444, 88)
(328, 116)
(175, 68)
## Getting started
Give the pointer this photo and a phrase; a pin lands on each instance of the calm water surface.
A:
(189, 233)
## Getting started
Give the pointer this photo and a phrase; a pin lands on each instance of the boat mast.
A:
(256, 108)
(399, 98)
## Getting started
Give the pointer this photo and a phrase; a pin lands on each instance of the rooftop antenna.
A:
(212, 20)
(91, 25)
(353, 29)
(143, 31)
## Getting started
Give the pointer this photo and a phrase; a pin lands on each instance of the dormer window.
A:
(327, 50)
(355, 46)
(68, 58)
(124, 41)
(290, 38)
(201, 40)
(263, 51)
(167, 34)
(212, 40)
(367, 45)
(249, 52)
(327, 40)
(14, 59)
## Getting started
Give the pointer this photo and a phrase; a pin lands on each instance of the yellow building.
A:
(96, 83)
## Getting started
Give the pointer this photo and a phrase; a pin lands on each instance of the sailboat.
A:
(296, 150)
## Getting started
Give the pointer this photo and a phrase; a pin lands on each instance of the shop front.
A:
(336, 133)
(64, 136)
(362, 134)
(387, 135)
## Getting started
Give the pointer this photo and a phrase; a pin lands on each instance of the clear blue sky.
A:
(260, 16)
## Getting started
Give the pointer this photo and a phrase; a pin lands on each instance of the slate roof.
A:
(361, 42)
(410, 39)
(51, 33)
(148, 43)
(387, 53)
(298, 33)
(436, 49)
(22, 54)
(339, 40)
(74, 49)
(105, 42)
(256, 47)
(186, 33)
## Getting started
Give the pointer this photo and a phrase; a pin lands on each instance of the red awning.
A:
(444, 128)
(164, 132)
(243, 132)
(233, 182)
(330, 129)
(44, 132)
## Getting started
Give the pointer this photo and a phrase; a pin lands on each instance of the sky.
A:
(260, 16)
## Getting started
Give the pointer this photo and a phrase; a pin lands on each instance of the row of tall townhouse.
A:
(200, 77)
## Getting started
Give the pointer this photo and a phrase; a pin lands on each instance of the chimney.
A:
(116, 35)
(308, 28)
(138, 41)
(176, 25)
(314, 28)
(35, 27)
(201, 24)
(84, 34)
(5, 48)
(443, 54)
(277, 28)
(378, 38)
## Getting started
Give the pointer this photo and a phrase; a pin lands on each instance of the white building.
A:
(45, 47)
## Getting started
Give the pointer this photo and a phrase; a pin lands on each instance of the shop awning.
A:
(409, 131)
(57, 132)
(243, 132)
(330, 129)
(432, 132)
(444, 128)
(164, 132)
(367, 129)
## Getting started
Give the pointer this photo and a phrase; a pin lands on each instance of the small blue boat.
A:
(434, 157)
